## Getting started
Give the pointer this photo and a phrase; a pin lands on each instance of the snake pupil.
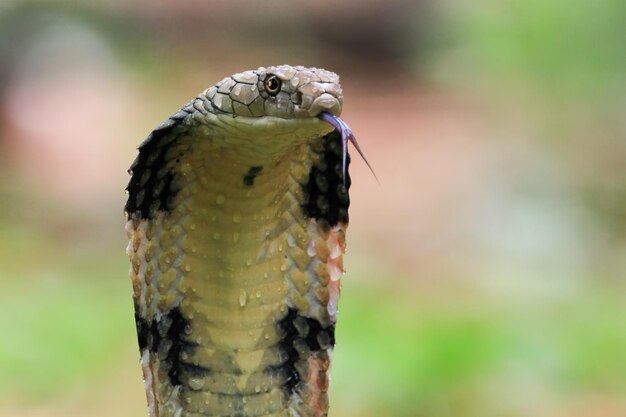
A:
(272, 85)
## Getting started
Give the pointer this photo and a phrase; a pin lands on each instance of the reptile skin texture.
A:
(237, 212)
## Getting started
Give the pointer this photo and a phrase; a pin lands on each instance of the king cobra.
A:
(237, 213)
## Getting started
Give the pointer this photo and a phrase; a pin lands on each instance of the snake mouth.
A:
(346, 135)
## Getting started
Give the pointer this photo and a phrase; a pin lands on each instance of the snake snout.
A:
(325, 103)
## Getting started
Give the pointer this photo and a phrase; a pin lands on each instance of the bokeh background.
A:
(485, 272)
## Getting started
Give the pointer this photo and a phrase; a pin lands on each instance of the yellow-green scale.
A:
(235, 267)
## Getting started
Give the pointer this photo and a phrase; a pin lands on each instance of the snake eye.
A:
(272, 85)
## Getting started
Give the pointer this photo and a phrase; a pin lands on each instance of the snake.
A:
(237, 213)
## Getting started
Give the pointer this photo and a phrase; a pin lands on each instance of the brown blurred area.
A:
(498, 135)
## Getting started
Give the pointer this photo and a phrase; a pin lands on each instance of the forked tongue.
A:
(346, 135)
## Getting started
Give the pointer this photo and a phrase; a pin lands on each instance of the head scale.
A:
(286, 92)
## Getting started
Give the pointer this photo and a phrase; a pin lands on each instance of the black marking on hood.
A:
(143, 330)
(248, 179)
(296, 329)
(327, 199)
(152, 173)
(171, 329)
(166, 337)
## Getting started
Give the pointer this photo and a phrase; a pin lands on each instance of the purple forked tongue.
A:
(346, 135)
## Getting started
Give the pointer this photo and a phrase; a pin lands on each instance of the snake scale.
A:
(236, 217)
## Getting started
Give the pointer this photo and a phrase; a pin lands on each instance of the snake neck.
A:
(236, 285)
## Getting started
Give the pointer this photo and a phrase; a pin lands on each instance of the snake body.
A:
(237, 211)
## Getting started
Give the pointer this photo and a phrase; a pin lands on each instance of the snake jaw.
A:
(346, 135)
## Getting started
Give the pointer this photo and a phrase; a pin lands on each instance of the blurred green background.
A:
(485, 273)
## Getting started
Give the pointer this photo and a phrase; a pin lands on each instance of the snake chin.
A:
(267, 135)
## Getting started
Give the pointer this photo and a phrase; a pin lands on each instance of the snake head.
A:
(289, 93)
(286, 92)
